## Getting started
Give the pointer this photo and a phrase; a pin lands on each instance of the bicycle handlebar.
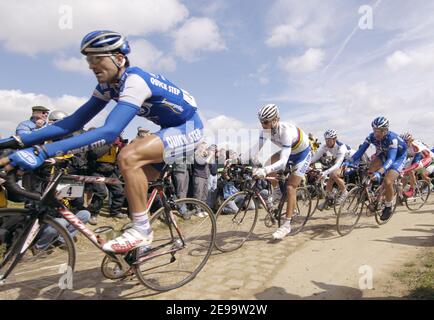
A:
(10, 183)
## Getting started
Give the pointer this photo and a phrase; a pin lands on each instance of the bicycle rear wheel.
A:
(171, 263)
(421, 193)
(349, 211)
(43, 272)
(302, 210)
(235, 223)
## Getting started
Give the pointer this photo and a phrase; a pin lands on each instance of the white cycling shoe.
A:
(128, 241)
(284, 230)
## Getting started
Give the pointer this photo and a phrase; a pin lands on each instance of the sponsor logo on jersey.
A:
(28, 157)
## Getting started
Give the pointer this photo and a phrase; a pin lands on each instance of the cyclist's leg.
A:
(166, 145)
(336, 176)
(390, 177)
(134, 160)
(389, 180)
(329, 185)
(131, 160)
(301, 165)
(293, 183)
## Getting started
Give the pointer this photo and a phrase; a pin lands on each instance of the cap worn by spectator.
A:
(40, 108)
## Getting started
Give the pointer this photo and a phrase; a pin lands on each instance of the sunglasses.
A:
(266, 121)
(96, 59)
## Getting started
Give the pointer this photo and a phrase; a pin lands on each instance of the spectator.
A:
(102, 162)
(314, 144)
(212, 179)
(49, 235)
(181, 180)
(36, 121)
(202, 158)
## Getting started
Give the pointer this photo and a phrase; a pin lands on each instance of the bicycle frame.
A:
(33, 227)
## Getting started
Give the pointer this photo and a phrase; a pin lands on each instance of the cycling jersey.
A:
(420, 156)
(339, 152)
(392, 150)
(136, 93)
(294, 143)
(160, 101)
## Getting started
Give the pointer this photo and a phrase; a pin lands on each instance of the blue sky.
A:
(309, 57)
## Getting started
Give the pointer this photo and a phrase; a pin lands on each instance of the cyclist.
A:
(339, 152)
(390, 156)
(420, 160)
(295, 148)
(136, 92)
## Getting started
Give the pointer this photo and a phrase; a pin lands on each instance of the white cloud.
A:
(18, 106)
(34, 26)
(282, 35)
(311, 23)
(146, 56)
(72, 65)
(419, 58)
(197, 34)
(261, 75)
(310, 61)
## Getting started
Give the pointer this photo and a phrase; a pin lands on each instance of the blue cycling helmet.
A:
(104, 41)
(380, 123)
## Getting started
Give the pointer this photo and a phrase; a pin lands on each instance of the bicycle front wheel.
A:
(302, 210)
(315, 194)
(177, 257)
(350, 211)
(422, 191)
(45, 269)
(236, 218)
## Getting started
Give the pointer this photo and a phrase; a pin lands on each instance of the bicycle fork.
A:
(31, 232)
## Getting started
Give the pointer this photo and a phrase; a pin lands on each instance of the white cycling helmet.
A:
(57, 115)
(268, 113)
(331, 134)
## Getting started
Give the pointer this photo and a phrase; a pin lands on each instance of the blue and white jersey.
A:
(137, 93)
(390, 141)
(391, 148)
(159, 100)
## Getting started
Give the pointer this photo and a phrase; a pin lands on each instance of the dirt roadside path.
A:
(330, 267)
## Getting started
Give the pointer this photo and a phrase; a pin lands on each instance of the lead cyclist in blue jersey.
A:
(137, 93)
(391, 153)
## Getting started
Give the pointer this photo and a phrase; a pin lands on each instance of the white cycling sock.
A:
(141, 222)
(388, 204)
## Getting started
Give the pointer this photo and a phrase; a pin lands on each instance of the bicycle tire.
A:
(159, 273)
(302, 210)
(229, 235)
(422, 192)
(27, 280)
(348, 187)
(315, 196)
(348, 215)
